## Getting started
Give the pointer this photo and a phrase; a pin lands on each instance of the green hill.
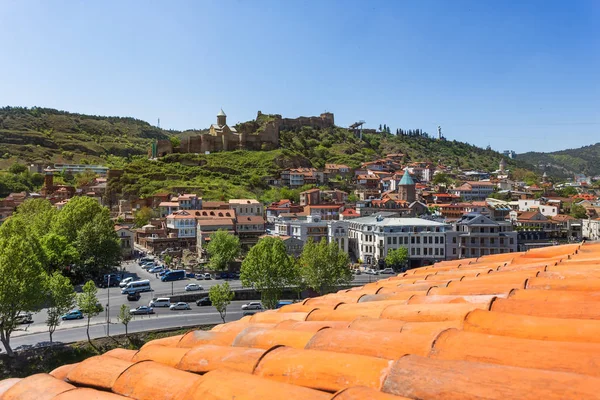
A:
(43, 134)
(46, 135)
(565, 163)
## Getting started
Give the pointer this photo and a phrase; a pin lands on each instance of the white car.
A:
(125, 281)
(192, 287)
(371, 271)
(180, 306)
(254, 305)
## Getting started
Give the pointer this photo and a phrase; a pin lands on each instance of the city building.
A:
(548, 210)
(476, 235)
(371, 237)
(473, 190)
(79, 168)
(249, 228)
(301, 228)
(590, 229)
(126, 236)
(337, 232)
(182, 223)
(246, 207)
(310, 197)
(283, 206)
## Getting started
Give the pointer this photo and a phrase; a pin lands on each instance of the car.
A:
(192, 287)
(142, 310)
(125, 281)
(253, 305)
(156, 270)
(180, 306)
(160, 302)
(207, 276)
(134, 296)
(371, 271)
(200, 277)
(282, 303)
(205, 301)
(73, 314)
(387, 271)
(24, 318)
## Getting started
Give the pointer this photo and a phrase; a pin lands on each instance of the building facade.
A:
(590, 229)
(371, 237)
(476, 235)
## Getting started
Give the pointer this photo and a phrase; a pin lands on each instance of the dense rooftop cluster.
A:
(516, 325)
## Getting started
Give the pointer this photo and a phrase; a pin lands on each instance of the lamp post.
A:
(108, 309)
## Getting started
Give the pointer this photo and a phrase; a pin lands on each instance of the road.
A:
(69, 331)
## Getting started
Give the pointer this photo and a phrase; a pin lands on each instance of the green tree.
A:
(567, 191)
(578, 211)
(168, 260)
(85, 178)
(221, 296)
(143, 216)
(21, 271)
(222, 249)
(17, 168)
(60, 299)
(87, 301)
(175, 141)
(441, 179)
(59, 252)
(125, 317)
(324, 266)
(39, 214)
(268, 269)
(396, 258)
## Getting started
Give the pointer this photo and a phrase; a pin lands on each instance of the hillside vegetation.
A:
(565, 163)
(46, 135)
(43, 134)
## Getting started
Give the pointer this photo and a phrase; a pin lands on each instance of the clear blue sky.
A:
(515, 75)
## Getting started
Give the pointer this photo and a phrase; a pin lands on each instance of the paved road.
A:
(164, 318)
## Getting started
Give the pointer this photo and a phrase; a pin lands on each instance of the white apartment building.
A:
(302, 229)
(535, 205)
(473, 190)
(246, 207)
(477, 235)
(183, 222)
(371, 237)
(590, 229)
(337, 231)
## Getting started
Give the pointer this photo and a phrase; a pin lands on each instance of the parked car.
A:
(142, 310)
(253, 305)
(24, 318)
(125, 281)
(180, 306)
(207, 276)
(282, 303)
(371, 271)
(134, 296)
(387, 271)
(156, 270)
(73, 314)
(205, 301)
(192, 287)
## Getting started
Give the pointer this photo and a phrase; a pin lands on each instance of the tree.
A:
(124, 316)
(168, 260)
(17, 168)
(175, 141)
(85, 178)
(87, 301)
(396, 257)
(143, 216)
(98, 246)
(221, 296)
(567, 191)
(39, 214)
(324, 266)
(59, 252)
(578, 211)
(60, 298)
(223, 248)
(269, 269)
(380, 129)
(441, 179)
(21, 271)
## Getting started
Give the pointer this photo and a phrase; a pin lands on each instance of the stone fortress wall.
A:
(249, 136)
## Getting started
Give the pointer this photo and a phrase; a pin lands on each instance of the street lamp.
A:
(108, 309)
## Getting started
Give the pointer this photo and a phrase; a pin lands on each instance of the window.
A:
(454, 239)
(472, 240)
(437, 252)
(394, 241)
(511, 241)
(418, 240)
(412, 239)
(389, 240)
(442, 252)
(441, 240)
(437, 240)
(412, 251)
(418, 251)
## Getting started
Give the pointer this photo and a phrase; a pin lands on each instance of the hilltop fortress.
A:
(260, 134)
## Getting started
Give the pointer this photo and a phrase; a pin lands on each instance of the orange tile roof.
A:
(505, 326)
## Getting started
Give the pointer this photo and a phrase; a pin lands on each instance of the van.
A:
(137, 286)
(125, 281)
(160, 302)
(173, 275)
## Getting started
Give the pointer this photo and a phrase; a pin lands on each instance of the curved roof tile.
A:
(518, 325)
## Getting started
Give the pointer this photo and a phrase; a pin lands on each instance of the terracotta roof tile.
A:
(518, 325)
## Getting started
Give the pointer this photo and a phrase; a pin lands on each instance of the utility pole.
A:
(108, 309)
(172, 282)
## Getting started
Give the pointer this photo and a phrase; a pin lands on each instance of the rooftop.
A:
(505, 326)
(375, 219)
